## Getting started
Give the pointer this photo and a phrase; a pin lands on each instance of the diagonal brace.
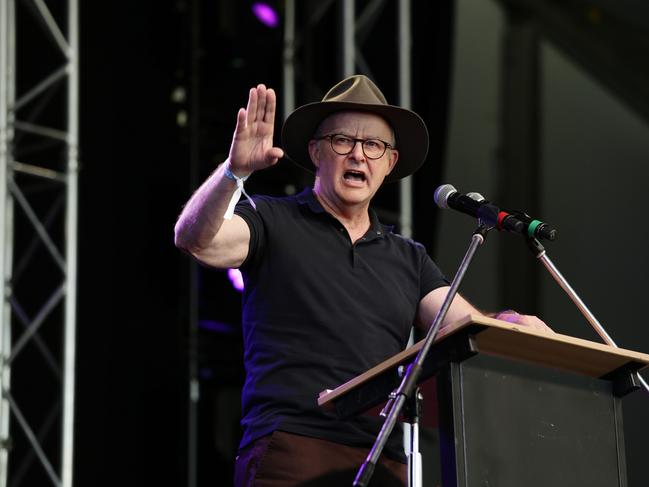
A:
(33, 440)
(37, 322)
(38, 226)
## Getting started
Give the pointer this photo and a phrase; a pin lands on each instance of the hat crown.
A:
(356, 89)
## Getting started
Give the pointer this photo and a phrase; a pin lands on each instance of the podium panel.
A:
(517, 407)
(507, 424)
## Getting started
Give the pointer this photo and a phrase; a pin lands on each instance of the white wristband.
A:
(237, 194)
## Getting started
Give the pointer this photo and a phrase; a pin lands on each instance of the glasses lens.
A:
(373, 148)
(341, 144)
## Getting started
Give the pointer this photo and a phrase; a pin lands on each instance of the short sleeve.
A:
(254, 218)
(431, 277)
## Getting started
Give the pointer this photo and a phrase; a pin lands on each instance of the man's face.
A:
(354, 178)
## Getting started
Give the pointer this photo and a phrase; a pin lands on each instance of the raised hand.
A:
(252, 144)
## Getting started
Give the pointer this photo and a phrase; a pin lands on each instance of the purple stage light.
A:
(236, 279)
(265, 14)
(217, 326)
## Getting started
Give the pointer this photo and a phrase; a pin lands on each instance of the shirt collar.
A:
(306, 197)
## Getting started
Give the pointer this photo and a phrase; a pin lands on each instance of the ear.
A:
(314, 152)
(392, 161)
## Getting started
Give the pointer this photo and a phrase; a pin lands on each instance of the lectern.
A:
(517, 407)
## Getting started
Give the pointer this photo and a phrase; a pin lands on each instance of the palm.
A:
(252, 144)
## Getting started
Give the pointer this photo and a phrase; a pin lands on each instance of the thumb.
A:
(274, 154)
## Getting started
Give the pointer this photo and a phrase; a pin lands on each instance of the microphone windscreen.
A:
(442, 193)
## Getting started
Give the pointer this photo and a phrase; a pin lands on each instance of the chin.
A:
(356, 195)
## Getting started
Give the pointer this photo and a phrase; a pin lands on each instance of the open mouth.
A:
(356, 176)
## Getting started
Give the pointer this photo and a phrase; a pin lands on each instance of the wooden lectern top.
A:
(515, 342)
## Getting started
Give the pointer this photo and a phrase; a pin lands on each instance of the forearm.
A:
(430, 305)
(202, 216)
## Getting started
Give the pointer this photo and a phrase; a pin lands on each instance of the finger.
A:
(241, 121)
(536, 323)
(251, 109)
(261, 103)
(509, 316)
(542, 326)
(271, 103)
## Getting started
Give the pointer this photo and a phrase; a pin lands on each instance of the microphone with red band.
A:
(474, 204)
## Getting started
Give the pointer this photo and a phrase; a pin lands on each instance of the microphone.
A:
(535, 228)
(474, 204)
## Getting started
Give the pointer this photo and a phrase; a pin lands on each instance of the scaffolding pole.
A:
(405, 100)
(17, 116)
(7, 95)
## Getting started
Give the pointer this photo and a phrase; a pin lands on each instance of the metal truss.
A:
(38, 229)
(355, 26)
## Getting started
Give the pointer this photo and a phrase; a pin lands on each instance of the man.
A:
(329, 290)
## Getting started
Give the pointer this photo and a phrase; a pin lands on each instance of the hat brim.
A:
(409, 129)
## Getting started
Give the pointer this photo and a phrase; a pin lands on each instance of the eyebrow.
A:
(370, 137)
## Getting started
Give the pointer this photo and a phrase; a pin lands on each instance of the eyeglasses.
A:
(344, 144)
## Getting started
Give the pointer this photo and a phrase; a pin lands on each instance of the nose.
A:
(357, 151)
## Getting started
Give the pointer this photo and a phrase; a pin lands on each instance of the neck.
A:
(354, 217)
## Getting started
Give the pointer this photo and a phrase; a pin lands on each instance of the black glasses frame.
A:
(355, 140)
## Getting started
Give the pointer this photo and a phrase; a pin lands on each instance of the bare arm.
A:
(460, 308)
(201, 229)
(432, 302)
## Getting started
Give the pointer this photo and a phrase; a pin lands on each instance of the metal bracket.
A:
(625, 378)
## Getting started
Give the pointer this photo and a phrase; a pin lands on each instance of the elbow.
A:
(179, 242)
(187, 241)
(182, 238)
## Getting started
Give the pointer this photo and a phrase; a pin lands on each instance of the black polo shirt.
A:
(319, 310)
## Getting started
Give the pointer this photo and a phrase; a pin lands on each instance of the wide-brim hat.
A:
(357, 93)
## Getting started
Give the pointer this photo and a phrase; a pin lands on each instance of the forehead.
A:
(356, 123)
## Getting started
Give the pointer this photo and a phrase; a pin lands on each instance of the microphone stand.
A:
(539, 252)
(408, 384)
